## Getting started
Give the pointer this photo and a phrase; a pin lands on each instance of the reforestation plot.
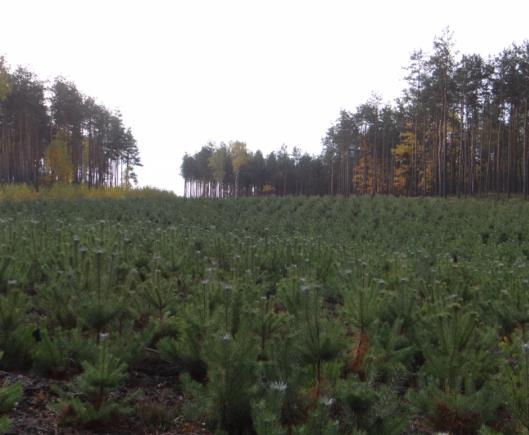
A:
(265, 316)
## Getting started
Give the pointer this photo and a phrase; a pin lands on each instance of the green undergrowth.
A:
(279, 316)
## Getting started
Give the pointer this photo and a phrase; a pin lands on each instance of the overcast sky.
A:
(266, 72)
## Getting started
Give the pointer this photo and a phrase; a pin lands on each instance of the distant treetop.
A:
(55, 133)
(460, 127)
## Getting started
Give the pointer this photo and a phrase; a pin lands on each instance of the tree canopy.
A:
(54, 133)
(459, 128)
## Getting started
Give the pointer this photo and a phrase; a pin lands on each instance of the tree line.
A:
(459, 128)
(231, 170)
(52, 132)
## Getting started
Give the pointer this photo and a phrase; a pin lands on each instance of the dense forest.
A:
(52, 132)
(459, 127)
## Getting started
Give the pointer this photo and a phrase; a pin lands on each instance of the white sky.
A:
(266, 72)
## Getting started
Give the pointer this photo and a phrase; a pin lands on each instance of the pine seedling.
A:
(79, 347)
(189, 348)
(266, 419)
(98, 379)
(130, 345)
(319, 421)
(391, 354)
(463, 410)
(516, 383)
(367, 406)
(49, 356)
(232, 377)
(159, 294)
(449, 347)
(97, 315)
(60, 301)
(10, 395)
(455, 380)
(265, 323)
(197, 404)
(512, 308)
(285, 380)
(289, 291)
(361, 310)
(91, 405)
(97, 311)
(5, 261)
(15, 335)
(321, 340)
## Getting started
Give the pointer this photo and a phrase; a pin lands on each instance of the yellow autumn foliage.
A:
(63, 191)
(402, 154)
(58, 162)
(239, 155)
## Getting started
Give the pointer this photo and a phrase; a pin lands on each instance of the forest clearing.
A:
(322, 315)
(264, 218)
